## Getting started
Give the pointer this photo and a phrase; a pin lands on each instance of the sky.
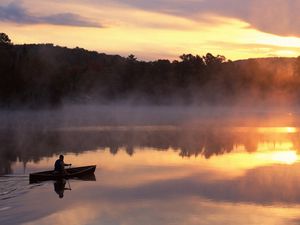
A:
(158, 29)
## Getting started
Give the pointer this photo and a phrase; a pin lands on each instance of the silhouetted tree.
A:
(209, 59)
(4, 39)
(131, 58)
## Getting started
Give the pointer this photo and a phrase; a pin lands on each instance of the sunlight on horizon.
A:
(229, 37)
(277, 130)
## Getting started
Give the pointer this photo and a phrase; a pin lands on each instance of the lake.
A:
(170, 169)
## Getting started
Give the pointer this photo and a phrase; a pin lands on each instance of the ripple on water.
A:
(12, 187)
(5, 208)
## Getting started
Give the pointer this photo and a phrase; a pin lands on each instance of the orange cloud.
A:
(150, 34)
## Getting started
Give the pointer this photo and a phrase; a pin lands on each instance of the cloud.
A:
(279, 17)
(68, 19)
(15, 13)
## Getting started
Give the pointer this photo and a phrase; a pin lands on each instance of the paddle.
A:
(69, 185)
(69, 166)
(68, 179)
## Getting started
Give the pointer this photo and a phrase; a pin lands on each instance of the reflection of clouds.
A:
(165, 196)
(263, 185)
(236, 177)
(176, 212)
(75, 216)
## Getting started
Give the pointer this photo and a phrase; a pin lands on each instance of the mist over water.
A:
(33, 134)
(115, 114)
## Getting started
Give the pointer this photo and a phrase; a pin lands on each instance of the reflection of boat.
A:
(84, 172)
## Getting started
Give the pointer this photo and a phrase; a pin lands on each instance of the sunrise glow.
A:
(277, 129)
(145, 30)
(157, 112)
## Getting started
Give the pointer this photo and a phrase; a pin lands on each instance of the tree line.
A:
(39, 75)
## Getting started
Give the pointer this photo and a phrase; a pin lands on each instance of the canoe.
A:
(76, 172)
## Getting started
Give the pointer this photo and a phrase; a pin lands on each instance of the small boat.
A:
(76, 172)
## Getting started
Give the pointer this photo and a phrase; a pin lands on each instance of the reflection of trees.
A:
(8, 155)
(32, 145)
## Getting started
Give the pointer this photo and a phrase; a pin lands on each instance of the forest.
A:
(45, 75)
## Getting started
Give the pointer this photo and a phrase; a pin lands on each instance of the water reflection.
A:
(161, 186)
(60, 187)
(148, 176)
(33, 145)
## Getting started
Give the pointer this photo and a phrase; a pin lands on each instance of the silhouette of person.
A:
(59, 166)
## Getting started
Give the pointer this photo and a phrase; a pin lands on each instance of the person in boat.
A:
(59, 166)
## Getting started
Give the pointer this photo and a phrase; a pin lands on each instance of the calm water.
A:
(205, 173)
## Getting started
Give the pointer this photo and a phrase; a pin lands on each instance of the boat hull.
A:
(76, 172)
